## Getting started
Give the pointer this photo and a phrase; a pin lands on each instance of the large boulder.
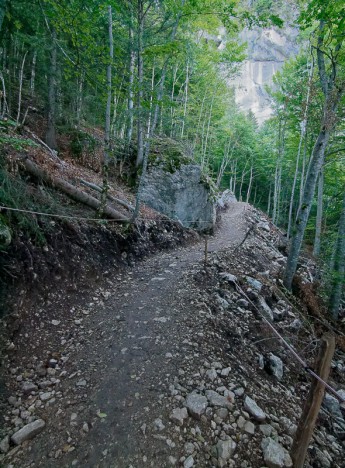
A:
(183, 194)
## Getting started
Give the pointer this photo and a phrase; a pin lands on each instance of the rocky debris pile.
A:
(238, 398)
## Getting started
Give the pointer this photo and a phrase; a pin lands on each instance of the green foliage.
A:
(167, 154)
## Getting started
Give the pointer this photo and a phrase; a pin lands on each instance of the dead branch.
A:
(110, 197)
(71, 191)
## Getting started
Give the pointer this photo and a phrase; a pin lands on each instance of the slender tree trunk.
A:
(130, 104)
(339, 267)
(250, 184)
(107, 146)
(319, 214)
(33, 74)
(80, 84)
(140, 123)
(51, 131)
(269, 201)
(317, 160)
(185, 102)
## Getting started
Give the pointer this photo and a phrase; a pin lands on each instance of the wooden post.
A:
(206, 249)
(314, 400)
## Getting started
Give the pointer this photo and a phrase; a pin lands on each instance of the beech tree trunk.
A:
(71, 191)
(317, 240)
(332, 96)
(339, 267)
(107, 147)
(51, 131)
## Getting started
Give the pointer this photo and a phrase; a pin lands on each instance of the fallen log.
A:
(110, 197)
(71, 191)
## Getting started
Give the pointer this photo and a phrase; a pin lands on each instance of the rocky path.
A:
(169, 364)
(128, 344)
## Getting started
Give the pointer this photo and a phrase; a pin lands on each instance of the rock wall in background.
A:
(267, 50)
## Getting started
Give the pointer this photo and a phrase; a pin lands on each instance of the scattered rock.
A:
(275, 366)
(254, 410)
(275, 455)
(225, 449)
(28, 432)
(196, 405)
(29, 387)
(217, 400)
(189, 462)
(254, 283)
(178, 415)
(158, 424)
(5, 444)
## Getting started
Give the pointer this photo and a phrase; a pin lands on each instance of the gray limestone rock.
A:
(196, 405)
(249, 428)
(180, 195)
(5, 444)
(217, 400)
(265, 308)
(28, 432)
(178, 415)
(225, 449)
(254, 410)
(226, 198)
(189, 462)
(275, 366)
(254, 283)
(228, 277)
(29, 387)
(275, 455)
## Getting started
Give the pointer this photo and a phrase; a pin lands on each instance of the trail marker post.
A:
(313, 403)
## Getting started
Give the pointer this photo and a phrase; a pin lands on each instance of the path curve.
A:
(125, 361)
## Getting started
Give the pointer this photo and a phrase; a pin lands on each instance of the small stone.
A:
(189, 448)
(254, 410)
(275, 366)
(85, 427)
(158, 424)
(254, 283)
(55, 322)
(172, 460)
(5, 444)
(178, 415)
(225, 372)
(189, 462)
(45, 396)
(249, 428)
(29, 387)
(266, 429)
(12, 400)
(211, 374)
(275, 455)
(196, 404)
(225, 449)
(239, 391)
(228, 277)
(217, 400)
(28, 432)
(81, 383)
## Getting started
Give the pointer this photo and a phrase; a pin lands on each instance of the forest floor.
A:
(112, 369)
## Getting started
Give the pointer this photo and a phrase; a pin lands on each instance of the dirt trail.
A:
(125, 362)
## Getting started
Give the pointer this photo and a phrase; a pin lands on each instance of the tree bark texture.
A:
(339, 266)
(51, 131)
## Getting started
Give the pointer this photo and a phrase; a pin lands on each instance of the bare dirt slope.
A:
(120, 358)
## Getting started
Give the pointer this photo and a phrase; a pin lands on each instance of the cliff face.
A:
(267, 51)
